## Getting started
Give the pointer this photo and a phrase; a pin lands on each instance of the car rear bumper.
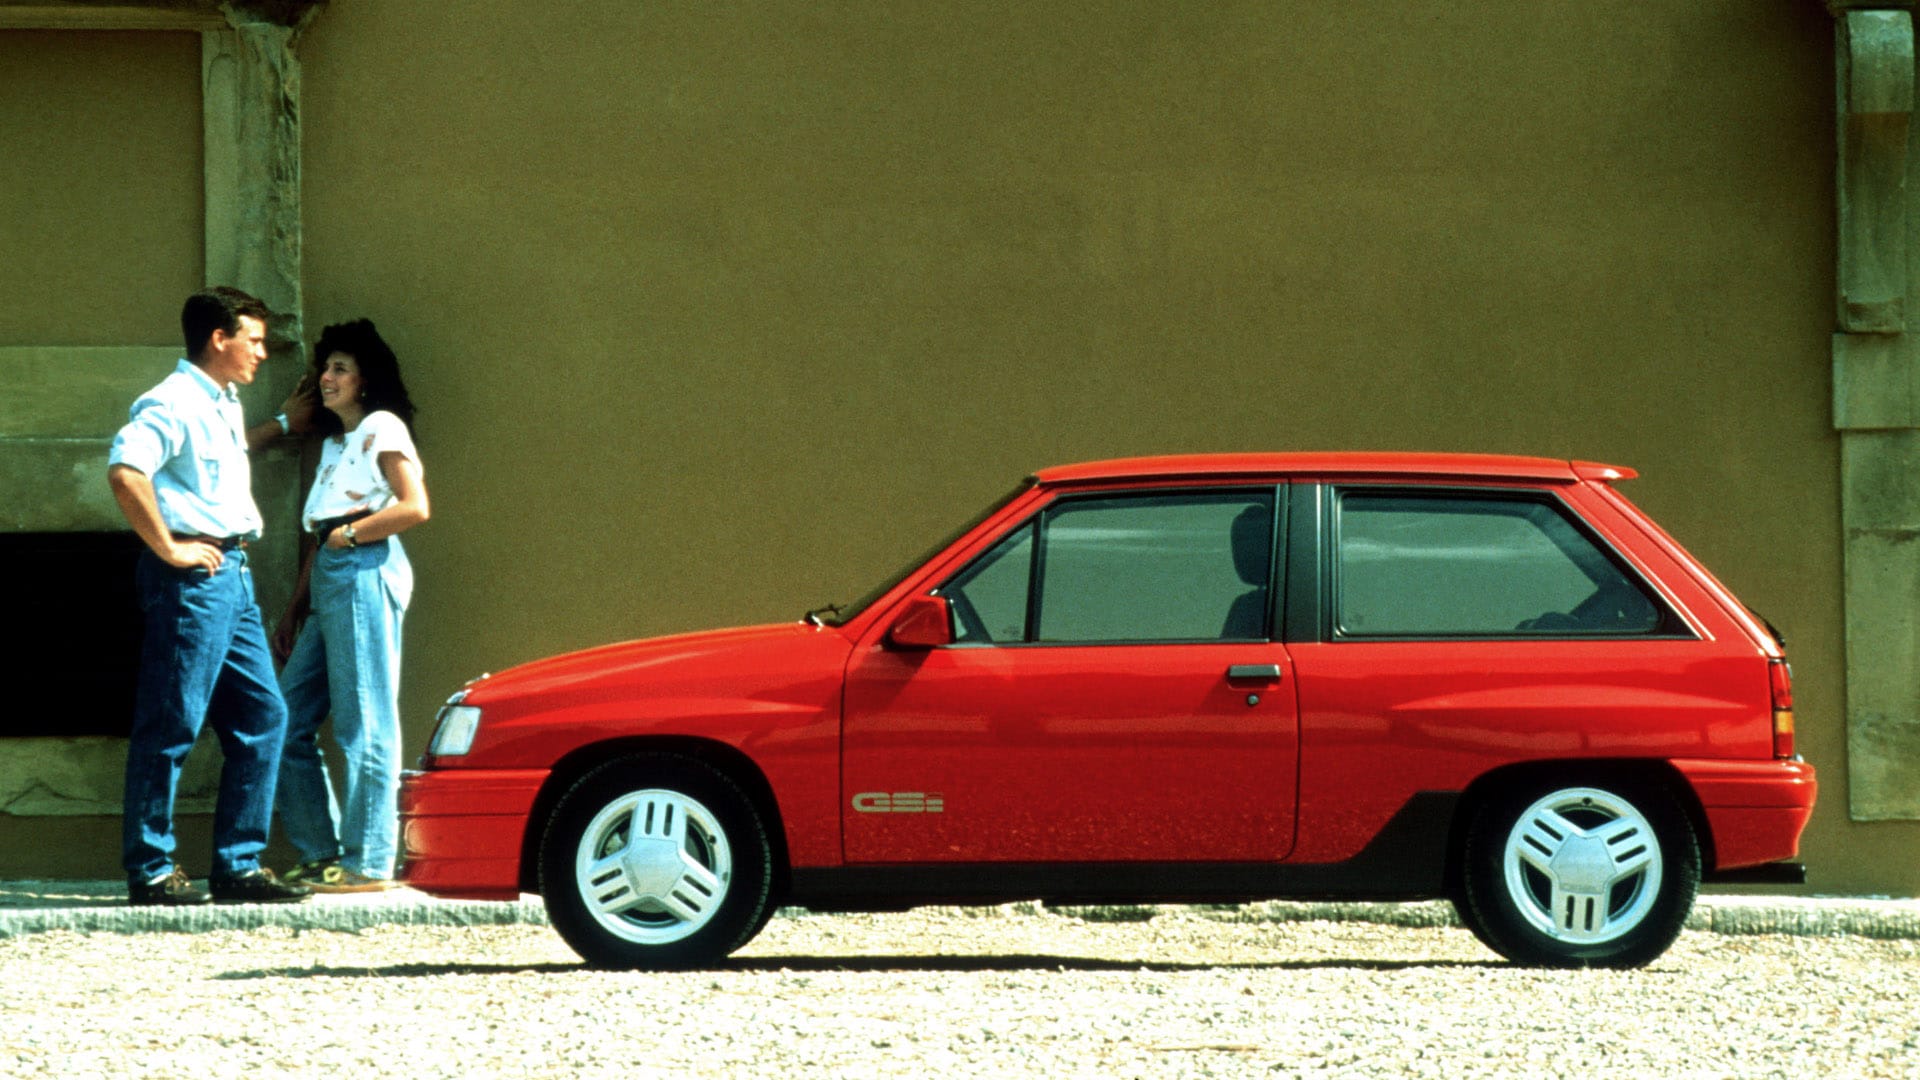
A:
(461, 830)
(1755, 810)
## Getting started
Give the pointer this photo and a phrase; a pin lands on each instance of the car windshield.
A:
(838, 614)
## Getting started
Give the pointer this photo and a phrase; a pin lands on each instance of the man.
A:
(179, 472)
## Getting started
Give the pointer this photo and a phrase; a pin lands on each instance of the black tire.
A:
(1470, 920)
(1592, 872)
(655, 861)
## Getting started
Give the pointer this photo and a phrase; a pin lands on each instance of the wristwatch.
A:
(286, 425)
(347, 531)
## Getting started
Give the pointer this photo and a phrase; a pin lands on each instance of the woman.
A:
(341, 632)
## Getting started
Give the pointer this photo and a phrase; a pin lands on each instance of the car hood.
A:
(738, 660)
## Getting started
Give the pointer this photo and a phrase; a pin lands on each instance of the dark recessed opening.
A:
(72, 652)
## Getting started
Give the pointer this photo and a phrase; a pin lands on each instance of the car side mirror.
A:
(926, 622)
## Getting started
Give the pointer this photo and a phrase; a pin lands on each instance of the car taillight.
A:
(1780, 674)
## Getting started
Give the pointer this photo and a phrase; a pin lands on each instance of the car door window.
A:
(1178, 567)
(1426, 565)
(1188, 566)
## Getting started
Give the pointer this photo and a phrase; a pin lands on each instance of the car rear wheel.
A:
(655, 861)
(1599, 874)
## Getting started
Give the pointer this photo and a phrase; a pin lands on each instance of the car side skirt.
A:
(1407, 860)
(1779, 873)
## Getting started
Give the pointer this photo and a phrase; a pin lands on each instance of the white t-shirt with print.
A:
(350, 479)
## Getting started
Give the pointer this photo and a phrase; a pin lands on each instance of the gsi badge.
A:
(898, 802)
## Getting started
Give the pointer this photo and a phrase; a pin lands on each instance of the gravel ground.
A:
(1004, 992)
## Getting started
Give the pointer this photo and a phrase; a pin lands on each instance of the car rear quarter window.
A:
(1474, 565)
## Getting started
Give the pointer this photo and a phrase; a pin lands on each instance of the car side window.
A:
(1465, 565)
(1179, 567)
(1184, 566)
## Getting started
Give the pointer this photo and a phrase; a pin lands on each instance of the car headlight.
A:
(458, 724)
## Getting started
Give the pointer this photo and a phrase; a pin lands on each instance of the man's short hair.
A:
(218, 308)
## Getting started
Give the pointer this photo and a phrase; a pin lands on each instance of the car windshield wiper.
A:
(814, 615)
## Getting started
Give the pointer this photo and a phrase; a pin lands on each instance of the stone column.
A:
(1876, 407)
(250, 80)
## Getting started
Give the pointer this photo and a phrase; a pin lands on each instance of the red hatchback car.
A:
(1176, 680)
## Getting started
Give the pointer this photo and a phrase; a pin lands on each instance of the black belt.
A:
(325, 526)
(224, 543)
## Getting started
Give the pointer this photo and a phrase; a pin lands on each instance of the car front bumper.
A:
(461, 830)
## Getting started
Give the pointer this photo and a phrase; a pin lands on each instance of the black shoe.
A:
(174, 890)
(257, 887)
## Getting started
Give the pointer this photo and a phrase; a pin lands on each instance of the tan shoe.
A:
(308, 872)
(339, 879)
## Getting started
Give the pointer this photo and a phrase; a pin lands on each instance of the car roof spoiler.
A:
(1594, 470)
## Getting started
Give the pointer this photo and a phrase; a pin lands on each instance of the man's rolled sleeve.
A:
(152, 435)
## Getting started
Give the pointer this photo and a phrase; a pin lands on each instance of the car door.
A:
(1113, 693)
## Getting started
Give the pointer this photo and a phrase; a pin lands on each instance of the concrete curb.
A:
(32, 907)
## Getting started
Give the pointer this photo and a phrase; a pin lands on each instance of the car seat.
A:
(1251, 536)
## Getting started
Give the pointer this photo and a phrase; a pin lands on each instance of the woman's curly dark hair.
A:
(380, 383)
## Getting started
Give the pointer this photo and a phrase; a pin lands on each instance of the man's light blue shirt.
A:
(189, 436)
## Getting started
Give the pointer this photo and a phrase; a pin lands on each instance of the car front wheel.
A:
(655, 861)
(1600, 874)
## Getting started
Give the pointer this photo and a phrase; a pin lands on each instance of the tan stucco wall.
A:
(100, 209)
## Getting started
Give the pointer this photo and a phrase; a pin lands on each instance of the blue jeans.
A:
(346, 662)
(204, 660)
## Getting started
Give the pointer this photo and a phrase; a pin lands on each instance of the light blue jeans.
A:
(346, 662)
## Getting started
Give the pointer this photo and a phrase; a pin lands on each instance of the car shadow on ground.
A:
(864, 964)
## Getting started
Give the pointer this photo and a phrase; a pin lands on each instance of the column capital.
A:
(156, 14)
(1874, 88)
(1837, 8)
(293, 14)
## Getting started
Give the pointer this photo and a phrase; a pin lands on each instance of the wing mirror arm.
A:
(924, 622)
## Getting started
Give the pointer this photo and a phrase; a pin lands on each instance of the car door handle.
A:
(1254, 671)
